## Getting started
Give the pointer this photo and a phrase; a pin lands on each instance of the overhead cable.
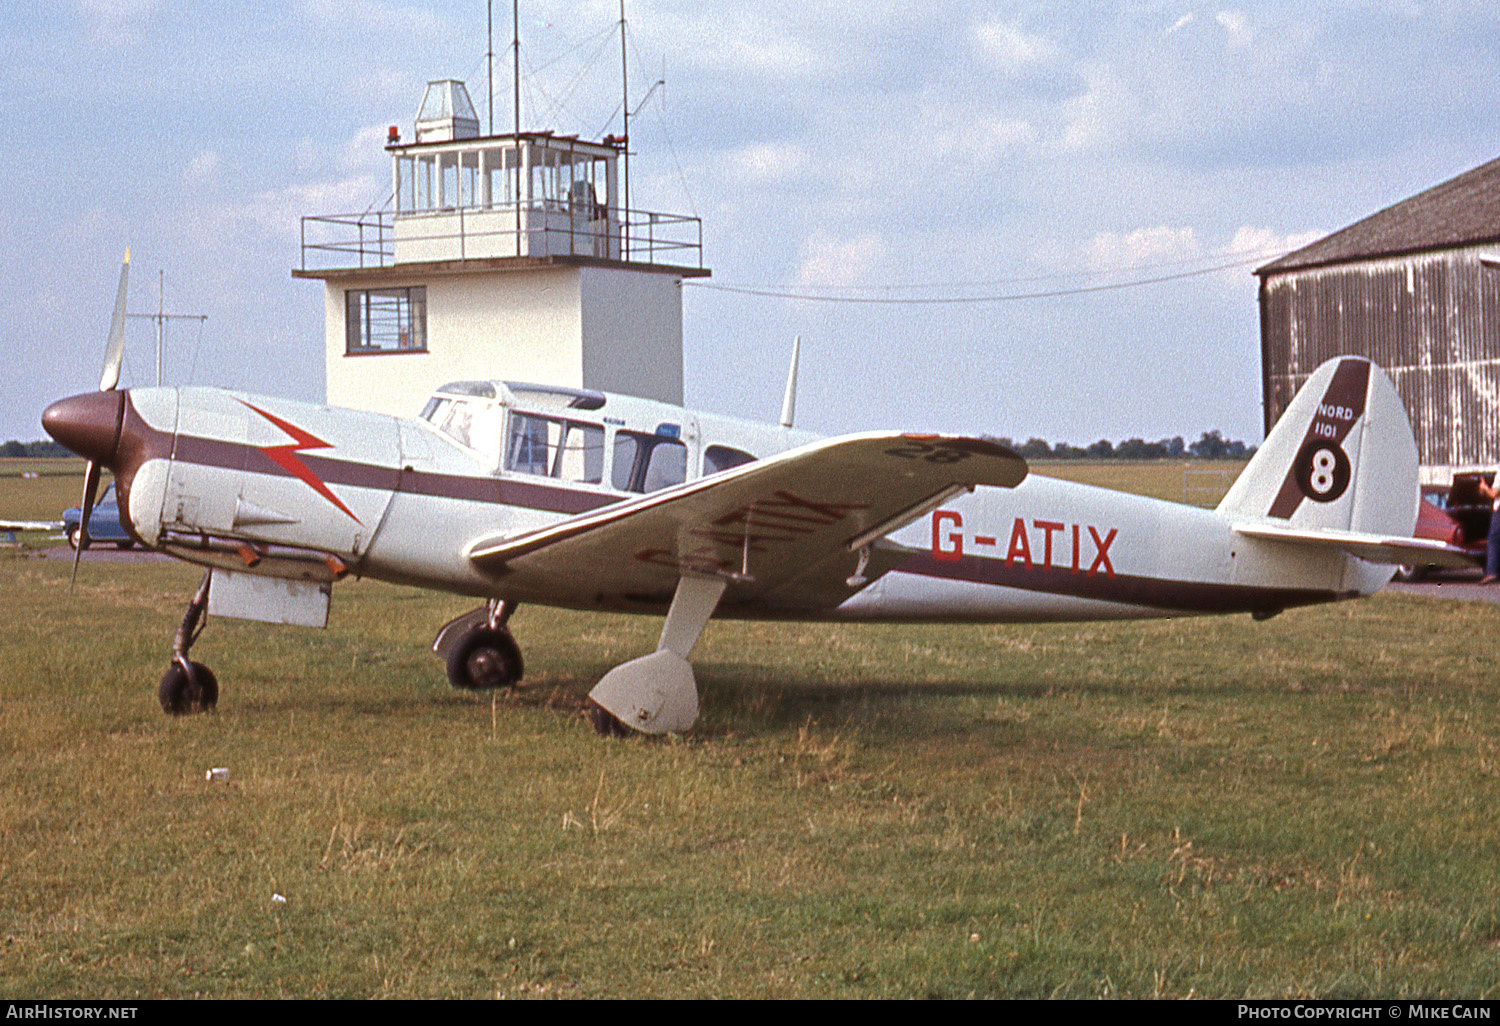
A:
(948, 300)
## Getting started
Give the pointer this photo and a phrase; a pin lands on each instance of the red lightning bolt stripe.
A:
(285, 456)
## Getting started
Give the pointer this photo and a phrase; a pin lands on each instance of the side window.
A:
(667, 466)
(718, 458)
(555, 448)
(623, 466)
(647, 463)
(582, 455)
(532, 440)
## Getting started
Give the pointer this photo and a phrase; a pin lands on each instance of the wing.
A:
(785, 531)
(30, 525)
(1375, 548)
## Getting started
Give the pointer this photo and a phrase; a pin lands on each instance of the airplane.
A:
(514, 493)
(30, 525)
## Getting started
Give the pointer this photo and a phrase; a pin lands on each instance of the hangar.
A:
(1416, 288)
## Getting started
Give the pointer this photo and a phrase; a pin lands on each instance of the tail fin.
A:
(1342, 457)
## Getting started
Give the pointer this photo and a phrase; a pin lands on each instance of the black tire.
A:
(606, 723)
(73, 539)
(1411, 574)
(485, 659)
(182, 692)
(126, 545)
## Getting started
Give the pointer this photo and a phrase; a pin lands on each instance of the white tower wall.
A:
(585, 327)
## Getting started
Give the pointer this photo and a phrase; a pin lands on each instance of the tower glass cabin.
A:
(505, 256)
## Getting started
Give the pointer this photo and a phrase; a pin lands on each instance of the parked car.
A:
(1457, 515)
(104, 522)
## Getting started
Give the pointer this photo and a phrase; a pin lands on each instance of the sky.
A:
(968, 152)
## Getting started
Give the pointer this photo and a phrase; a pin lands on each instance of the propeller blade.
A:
(90, 486)
(114, 352)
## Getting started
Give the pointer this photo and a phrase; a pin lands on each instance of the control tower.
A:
(508, 257)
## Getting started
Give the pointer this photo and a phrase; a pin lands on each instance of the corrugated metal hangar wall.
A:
(1431, 320)
(1416, 288)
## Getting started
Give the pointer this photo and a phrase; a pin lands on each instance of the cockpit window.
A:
(556, 448)
(459, 424)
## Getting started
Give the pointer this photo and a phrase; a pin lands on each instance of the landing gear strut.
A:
(189, 687)
(480, 653)
(657, 694)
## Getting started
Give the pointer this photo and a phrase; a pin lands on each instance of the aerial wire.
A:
(954, 300)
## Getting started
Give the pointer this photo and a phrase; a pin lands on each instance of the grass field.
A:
(1205, 807)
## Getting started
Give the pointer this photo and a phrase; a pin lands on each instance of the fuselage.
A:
(273, 486)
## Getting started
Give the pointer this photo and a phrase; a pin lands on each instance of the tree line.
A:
(1211, 446)
(14, 450)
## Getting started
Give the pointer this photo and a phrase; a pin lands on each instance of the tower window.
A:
(385, 320)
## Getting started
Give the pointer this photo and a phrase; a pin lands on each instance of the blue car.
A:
(104, 522)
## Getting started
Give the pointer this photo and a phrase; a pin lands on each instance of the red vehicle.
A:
(1458, 515)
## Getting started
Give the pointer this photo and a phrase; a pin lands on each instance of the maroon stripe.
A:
(1347, 388)
(213, 452)
(1186, 596)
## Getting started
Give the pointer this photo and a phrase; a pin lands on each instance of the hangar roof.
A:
(1461, 211)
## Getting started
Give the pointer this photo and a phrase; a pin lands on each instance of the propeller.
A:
(114, 356)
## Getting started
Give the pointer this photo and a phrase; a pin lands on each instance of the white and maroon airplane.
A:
(519, 493)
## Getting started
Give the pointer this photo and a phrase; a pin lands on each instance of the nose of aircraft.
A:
(89, 424)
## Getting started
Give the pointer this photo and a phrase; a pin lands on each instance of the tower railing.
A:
(541, 228)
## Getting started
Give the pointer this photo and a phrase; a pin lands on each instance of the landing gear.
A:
(484, 659)
(479, 651)
(657, 693)
(606, 723)
(187, 686)
(75, 538)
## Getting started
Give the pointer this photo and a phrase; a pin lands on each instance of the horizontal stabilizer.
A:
(1373, 548)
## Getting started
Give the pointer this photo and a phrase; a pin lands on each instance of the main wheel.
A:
(74, 537)
(486, 658)
(182, 692)
(606, 723)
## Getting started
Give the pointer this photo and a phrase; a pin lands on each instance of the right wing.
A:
(789, 526)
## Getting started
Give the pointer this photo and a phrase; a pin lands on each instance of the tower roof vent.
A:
(446, 113)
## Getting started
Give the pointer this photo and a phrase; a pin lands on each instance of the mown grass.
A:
(1204, 807)
(1211, 807)
(39, 489)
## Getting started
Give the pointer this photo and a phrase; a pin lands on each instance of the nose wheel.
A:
(187, 686)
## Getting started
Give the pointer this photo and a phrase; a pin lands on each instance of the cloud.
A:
(1012, 50)
(766, 163)
(1180, 24)
(1249, 239)
(201, 167)
(834, 261)
(1121, 250)
(1236, 26)
(116, 22)
(399, 21)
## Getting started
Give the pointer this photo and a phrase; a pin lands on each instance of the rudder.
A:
(1342, 457)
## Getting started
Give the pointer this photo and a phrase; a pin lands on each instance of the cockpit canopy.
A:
(572, 434)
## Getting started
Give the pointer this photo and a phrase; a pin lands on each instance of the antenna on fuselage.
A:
(789, 401)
